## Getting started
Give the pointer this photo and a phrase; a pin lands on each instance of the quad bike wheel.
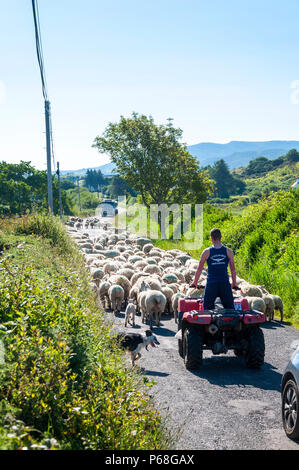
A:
(192, 348)
(254, 356)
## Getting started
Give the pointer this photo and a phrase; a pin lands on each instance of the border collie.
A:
(134, 342)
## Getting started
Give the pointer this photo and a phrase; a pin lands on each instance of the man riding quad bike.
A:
(227, 325)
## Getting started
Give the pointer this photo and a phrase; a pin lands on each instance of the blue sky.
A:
(222, 70)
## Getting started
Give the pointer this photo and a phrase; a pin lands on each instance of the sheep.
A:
(123, 281)
(270, 306)
(127, 272)
(152, 269)
(140, 264)
(151, 260)
(147, 248)
(155, 302)
(169, 278)
(130, 313)
(183, 258)
(194, 292)
(278, 305)
(97, 275)
(189, 275)
(110, 267)
(103, 294)
(168, 292)
(248, 290)
(153, 283)
(141, 242)
(137, 276)
(116, 297)
(175, 304)
(256, 303)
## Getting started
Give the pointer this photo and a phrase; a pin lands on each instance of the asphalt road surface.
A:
(224, 405)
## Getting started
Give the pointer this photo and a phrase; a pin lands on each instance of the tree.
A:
(93, 179)
(226, 183)
(118, 187)
(292, 156)
(23, 189)
(153, 162)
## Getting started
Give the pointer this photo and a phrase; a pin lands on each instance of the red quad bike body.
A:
(220, 330)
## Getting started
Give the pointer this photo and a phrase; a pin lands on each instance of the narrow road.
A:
(224, 405)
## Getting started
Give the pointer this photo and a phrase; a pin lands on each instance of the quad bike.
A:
(220, 330)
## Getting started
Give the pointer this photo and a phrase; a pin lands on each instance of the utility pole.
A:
(40, 59)
(78, 192)
(48, 140)
(59, 191)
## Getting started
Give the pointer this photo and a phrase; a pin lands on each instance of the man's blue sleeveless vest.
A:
(217, 265)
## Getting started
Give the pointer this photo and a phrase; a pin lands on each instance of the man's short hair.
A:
(215, 234)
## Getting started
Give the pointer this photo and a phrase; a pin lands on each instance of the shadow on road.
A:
(155, 373)
(228, 371)
(274, 325)
(162, 331)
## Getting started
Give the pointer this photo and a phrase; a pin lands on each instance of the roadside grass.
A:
(64, 382)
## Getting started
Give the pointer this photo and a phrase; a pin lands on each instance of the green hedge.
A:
(64, 383)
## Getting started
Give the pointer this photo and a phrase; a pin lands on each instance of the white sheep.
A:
(248, 290)
(256, 303)
(270, 306)
(168, 292)
(130, 313)
(155, 302)
(116, 297)
(103, 294)
(175, 304)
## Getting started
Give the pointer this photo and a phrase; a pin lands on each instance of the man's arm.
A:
(232, 268)
(204, 256)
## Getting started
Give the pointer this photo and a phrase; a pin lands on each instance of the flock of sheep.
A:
(125, 267)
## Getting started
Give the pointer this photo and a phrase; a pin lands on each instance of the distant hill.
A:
(235, 153)
(238, 153)
(106, 169)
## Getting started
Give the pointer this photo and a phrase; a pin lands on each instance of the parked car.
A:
(290, 397)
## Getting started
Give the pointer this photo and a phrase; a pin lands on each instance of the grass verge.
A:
(64, 383)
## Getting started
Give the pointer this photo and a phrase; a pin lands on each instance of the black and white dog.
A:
(134, 342)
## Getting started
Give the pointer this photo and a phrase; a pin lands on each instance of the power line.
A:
(48, 121)
(39, 49)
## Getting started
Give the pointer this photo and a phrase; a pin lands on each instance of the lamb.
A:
(175, 304)
(116, 297)
(278, 305)
(270, 306)
(130, 313)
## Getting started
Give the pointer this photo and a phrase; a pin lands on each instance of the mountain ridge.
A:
(236, 153)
